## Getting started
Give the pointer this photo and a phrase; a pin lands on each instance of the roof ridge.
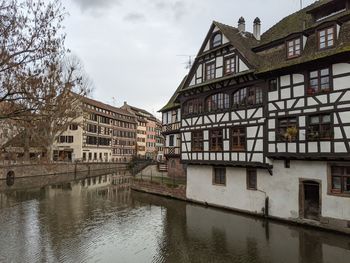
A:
(117, 109)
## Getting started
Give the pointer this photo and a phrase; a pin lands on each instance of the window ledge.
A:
(339, 194)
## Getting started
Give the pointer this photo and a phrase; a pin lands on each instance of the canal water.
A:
(94, 220)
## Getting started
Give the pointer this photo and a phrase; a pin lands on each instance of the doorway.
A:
(310, 192)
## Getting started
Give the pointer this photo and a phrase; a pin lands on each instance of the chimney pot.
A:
(241, 24)
(257, 28)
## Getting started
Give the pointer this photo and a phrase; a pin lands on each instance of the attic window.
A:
(326, 37)
(293, 48)
(330, 10)
(217, 40)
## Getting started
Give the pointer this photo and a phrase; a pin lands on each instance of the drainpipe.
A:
(266, 208)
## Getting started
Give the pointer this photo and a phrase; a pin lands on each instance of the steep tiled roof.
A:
(106, 106)
(171, 103)
(243, 41)
(294, 23)
(301, 22)
(276, 58)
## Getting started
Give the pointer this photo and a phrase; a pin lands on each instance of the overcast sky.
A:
(131, 48)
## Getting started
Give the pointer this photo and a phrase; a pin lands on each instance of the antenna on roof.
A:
(188, 63)
(114, 101)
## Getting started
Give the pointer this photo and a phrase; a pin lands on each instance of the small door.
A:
(312, 206)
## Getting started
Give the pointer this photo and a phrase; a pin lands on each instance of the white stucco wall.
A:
(282, 189)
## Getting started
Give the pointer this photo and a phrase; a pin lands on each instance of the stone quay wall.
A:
(37, 170)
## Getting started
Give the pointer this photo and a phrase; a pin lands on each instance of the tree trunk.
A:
(49, 151)
(26, 147)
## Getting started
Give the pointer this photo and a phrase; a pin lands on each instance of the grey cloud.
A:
(96, 4)
(135, 17)
(178, 8)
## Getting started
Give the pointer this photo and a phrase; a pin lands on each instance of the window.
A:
(66, 139)
(219, 176)
(320, 128)
(319, 81)
(340, 179)
(287, 164)
(229, 65)
(238, 139)
(216, 40)
(287, 129)
(326, 38)
(216, 140)
(73, 127)
(91, 140)
(273, 84)
(93, 117)
(251, 179)
(171, 140)
(210, 71)
(218, 101)
(197, 141)
(247, 97)
(194, 106)
(293, 48)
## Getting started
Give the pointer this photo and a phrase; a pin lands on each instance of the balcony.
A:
(171, 151)
(168, 128)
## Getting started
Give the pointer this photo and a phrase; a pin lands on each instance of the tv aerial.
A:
(189, 62)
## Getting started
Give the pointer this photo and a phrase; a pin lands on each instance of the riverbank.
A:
(179, 193)
(38, 170)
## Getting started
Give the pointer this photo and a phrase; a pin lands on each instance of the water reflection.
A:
(105, 221)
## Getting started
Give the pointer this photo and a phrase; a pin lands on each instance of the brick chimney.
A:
(241, 24)
(257, 28)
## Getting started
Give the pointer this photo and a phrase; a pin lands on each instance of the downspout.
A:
(266, 207)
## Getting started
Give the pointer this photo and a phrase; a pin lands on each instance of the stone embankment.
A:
(176, 191)
(36, 170)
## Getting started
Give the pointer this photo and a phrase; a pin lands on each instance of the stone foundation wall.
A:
(176, 168)
(160, 189)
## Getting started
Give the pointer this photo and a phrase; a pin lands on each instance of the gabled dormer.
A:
(225, 52)
(327, 9)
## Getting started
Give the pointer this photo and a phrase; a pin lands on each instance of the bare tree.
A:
(57, 93)
(30, 31)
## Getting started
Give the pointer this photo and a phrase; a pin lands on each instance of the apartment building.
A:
(103, 133)
(148, 123)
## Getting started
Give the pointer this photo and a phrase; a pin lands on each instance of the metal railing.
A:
(161, 179)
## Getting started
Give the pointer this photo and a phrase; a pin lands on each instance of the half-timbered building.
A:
(171, 123)
(265, 120)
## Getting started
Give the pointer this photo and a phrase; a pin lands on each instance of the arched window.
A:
(217, 101)
(247, 97)
(194, 106)
(216, 40)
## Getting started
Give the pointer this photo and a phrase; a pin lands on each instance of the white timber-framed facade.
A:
(265, 122)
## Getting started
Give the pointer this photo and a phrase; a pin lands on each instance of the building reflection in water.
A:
(101, 219)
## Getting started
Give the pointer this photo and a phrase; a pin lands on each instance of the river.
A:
(95, 221)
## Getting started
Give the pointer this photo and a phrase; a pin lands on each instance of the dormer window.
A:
(216, 40)
(326, 38)
(294, 48)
